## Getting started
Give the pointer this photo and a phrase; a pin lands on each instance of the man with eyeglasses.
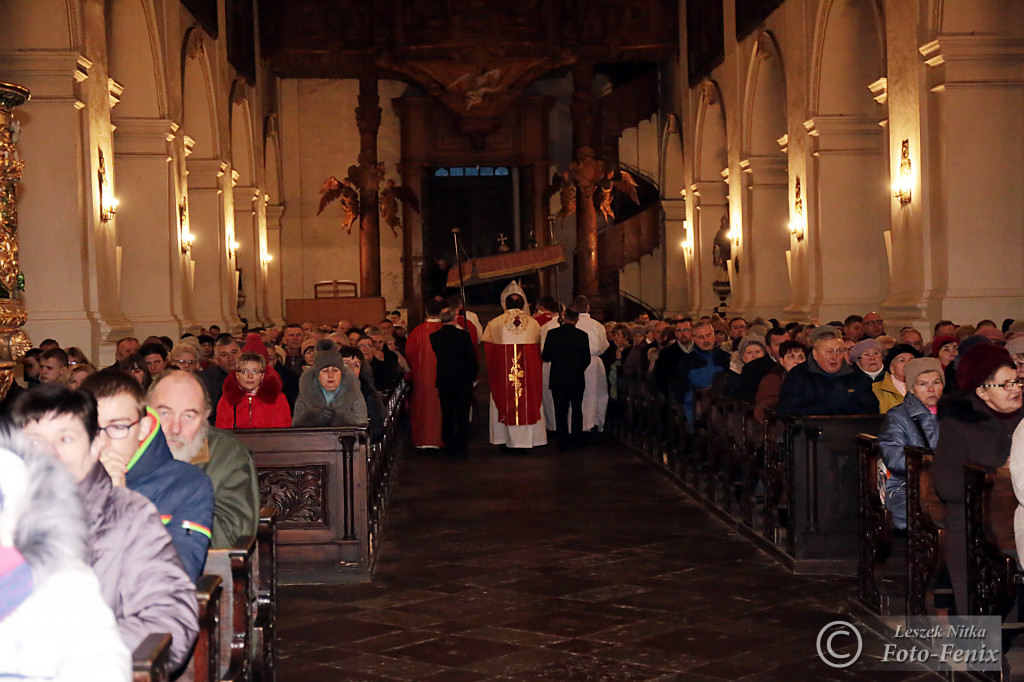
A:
(873, 326)
(141, 576)
(225, 358)
(183, 407)
(134, 452)
(825, 383)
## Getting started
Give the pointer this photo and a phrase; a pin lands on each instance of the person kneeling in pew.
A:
(141, 576)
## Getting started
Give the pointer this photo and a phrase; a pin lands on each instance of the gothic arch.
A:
(711, 155)
(199, 110)
(136, 58)
(849, 55)
(764, 114)
(672, 179)
(243, 155)
(39, 25)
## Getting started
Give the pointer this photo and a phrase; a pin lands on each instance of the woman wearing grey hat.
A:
(329, 392)
(913, 422)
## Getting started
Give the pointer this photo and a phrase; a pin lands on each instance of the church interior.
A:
(246, 164)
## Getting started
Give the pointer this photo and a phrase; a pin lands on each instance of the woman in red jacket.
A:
(252, 397)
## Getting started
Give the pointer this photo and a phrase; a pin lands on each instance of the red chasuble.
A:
(514, 373)
(424, 405)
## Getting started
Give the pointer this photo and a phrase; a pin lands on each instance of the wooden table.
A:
(358, 310)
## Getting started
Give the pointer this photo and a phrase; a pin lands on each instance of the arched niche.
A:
(242, 139)
(711, 155)
(39, 25)
(764, 114)
(849, 55)
(199, 117)
(135, 59)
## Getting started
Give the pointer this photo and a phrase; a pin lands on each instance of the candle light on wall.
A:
(901, 189)
(796, 225)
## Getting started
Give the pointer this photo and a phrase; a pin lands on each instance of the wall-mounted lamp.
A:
(186, 240)
(687, 243)
(265, 258)
(796, 225)
(108, 203)
(734, 235)
(234, 246)
(901, 189)
(185, 236)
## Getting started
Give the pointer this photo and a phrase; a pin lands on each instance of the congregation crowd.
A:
(153, 478)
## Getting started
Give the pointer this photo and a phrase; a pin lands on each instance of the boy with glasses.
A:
(134, 453)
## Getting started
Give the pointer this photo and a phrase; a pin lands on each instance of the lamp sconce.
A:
(233, 247)
(184, 234)
(796, 225)
(901, 189)
(108, 203)
(734, 235)
(265, 258)
(687, 243)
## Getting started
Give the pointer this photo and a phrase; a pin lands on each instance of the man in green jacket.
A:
(180, 399)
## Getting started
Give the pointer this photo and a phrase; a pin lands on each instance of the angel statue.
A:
(345, 189)
(566, 190)
(390, 195)
(615, 181)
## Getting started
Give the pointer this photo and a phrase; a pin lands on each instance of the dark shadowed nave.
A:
(580, 566)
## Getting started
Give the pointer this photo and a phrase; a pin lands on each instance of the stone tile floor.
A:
(578, 566)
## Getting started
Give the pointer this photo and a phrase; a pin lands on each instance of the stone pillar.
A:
(59, 209)
(763, 276)
(275, 299)
(675, 260)
(412, 243)
(586, 171)
(968, 176)
(211, 220)
(845, 206)
(148, 219)
(541, 236)
(711, 204)
(368, 176)
(13, 341)
(247, 257)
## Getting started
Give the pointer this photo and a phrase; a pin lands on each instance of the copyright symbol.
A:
(831, 636)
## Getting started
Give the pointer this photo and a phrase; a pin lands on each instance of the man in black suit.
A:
(457, 368)
(568, 350)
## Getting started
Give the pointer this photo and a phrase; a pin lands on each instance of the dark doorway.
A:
(481, 202)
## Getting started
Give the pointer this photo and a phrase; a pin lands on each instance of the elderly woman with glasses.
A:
(976, 424)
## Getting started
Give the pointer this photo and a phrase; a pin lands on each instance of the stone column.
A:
(966, 173)
(763, 276)
(247, 257)
(845, 206)
(367, 176)
(586, 171)
(13, 341)
(412, 242)
(541, 181)
(711, 204)
(211, 220)
(275, 299)
(148, 219)
(675, 260)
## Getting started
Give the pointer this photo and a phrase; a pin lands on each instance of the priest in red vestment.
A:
(424, 405)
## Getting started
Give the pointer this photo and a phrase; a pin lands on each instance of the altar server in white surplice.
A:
(595, 396)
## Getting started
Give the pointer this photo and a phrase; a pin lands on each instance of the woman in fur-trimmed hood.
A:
(252, 397)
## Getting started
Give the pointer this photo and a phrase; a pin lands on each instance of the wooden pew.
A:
(753, 440)
(235, 568)
(823, 482)
(989, 506)
(150, 659)
(205, 663)
(925, 522)
(875, 540)
(263, 661)
(776, 480)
